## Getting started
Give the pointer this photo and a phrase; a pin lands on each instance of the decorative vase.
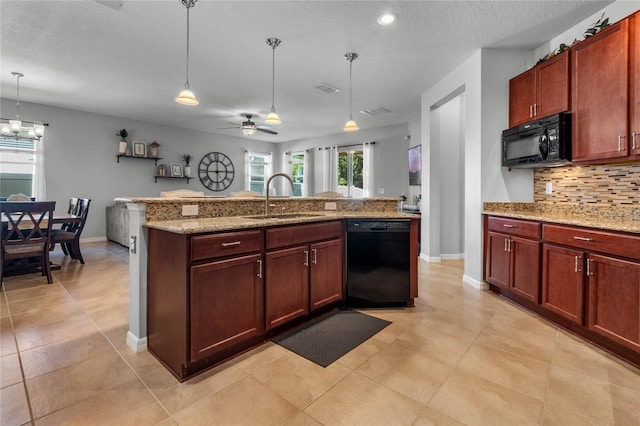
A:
(187, 171)
(122, 149)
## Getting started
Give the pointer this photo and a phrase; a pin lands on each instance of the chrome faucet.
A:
(266, 202)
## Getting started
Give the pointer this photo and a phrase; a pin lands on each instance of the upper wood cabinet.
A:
(540, 91)
(599, 96)
(634, 81)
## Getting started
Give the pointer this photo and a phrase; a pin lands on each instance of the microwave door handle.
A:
(543, 145)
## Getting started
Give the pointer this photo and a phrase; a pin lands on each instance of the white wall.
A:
(80, 158)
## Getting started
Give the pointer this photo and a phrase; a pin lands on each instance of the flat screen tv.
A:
(415, 165)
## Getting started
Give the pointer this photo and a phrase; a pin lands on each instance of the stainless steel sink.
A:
(284, 216)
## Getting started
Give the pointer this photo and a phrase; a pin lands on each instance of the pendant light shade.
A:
(273, 118)
(350, 125)
(186, 96)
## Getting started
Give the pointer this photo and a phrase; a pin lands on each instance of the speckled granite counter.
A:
(615, 218)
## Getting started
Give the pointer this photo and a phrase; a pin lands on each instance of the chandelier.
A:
(21, 130)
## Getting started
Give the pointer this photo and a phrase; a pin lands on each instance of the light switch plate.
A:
(190, 210)
(330, 206)
(548, 189)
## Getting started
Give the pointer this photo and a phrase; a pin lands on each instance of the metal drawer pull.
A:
(583, 239)
(577, 259)
(620, 137)
(306, 258)
(235, 243)
(508, 226)
(259, 268)
(315, 256)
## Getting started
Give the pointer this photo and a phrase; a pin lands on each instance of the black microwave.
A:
(542, 143)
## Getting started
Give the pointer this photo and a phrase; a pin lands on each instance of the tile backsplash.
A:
(617, 184)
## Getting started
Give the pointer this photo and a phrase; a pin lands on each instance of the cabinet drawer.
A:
(591, 240)
(523, 228)
(226, 244)
(301, 234)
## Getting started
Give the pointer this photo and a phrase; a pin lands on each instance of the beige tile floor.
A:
(461, 356)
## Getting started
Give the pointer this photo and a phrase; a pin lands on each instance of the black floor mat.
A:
(331, 336)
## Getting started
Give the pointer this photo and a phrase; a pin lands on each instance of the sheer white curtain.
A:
(367, 168)
(307, 172)
(39, 185)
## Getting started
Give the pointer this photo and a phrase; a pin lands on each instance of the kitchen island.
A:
(231, 266)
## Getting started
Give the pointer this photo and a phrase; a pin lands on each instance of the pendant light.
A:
(186, 96)
(273, 118)
(17, 126)
(350, 125)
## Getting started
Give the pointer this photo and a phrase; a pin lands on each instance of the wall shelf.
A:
(139, 158)
(171, 177)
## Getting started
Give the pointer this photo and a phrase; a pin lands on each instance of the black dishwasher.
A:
(378, 262)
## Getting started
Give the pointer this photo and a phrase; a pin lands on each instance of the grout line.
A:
(546, 391)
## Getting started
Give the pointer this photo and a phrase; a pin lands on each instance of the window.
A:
(258, 167)
(351, 172)
(298, 173)
(17, 167)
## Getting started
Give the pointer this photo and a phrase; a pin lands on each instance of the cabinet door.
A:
(226, 304)
(522, 96)
(552, 86)
(599, 95)
(563, 282)
(614, 300)
(326, 273)
(525, 268)
(634, 74)
(287, 285)
(497, 268)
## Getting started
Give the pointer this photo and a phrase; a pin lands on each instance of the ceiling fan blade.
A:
(271, 132)
(226, 128)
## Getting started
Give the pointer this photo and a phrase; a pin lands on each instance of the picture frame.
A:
(139, 149)
(176, 170)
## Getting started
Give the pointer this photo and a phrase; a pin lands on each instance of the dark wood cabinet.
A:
(614, 299)
(287, 285)
(634, 81)
(513, 256)
(325, 283)
(563, 282)
(304, 265)
(540, 91)
(599, 96)
(226, 304)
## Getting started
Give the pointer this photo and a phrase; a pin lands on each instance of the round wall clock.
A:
(216, 171)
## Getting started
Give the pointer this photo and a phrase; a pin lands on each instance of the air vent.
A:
(375, 111)
(326, 88)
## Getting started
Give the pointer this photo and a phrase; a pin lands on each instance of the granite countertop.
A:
(614, 218)
(230, 223)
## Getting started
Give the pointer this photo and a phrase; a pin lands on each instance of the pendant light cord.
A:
(18, 75)
(350, 87)
(273, 77)
(188, 8)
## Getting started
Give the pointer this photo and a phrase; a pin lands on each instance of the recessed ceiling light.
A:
(386, 19)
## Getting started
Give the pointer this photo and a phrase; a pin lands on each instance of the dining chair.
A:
(68, 236)
(26, 233)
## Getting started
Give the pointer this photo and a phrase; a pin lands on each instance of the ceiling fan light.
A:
(273, 118)
(350, 126)
(248, 131)
(186, 97)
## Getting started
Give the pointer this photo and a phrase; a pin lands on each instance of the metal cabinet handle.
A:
(508, 226)
(259, 268)
(306, 258)
(505, 244)
(232, 244)
(582, 238)
(509, 246)
(620, 137)
(530, 111)
(589, 271)
(633, 140)
(578, 258)
(535, 110)
(315, 256)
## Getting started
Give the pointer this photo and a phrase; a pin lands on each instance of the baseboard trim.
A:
(434, 259)
(480, 285)
(135, 344)
(456, 256)
(93, 239)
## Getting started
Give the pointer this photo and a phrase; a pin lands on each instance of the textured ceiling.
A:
(129, 61)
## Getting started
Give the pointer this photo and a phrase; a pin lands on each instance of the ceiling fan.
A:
(249, 127)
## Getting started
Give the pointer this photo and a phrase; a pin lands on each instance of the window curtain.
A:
(307, 172)
(247, 171)
(39, 185)
(367, 172)
(333, 169)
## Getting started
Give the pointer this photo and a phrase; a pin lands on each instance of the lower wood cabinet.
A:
(226, 304)
(325, 281)
(589, 281)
